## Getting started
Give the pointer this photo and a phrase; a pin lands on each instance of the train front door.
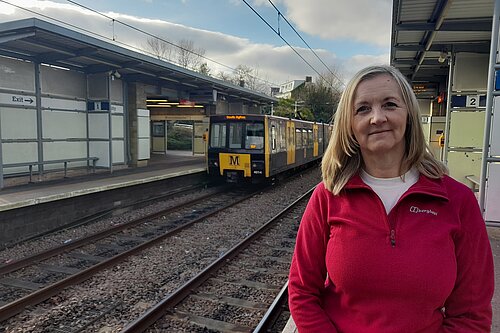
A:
(315, 140)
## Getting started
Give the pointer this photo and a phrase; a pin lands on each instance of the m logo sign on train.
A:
(234, 160)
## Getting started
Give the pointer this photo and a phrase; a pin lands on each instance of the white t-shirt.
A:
(390, 190)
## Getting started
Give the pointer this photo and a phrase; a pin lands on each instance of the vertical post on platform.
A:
(489, 104)
(1, 156)
(111, 77)
(39, 118)
(451, 64)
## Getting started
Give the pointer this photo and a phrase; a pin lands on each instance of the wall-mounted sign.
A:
(472, 101)
(468, 101)
(16, 99)
(98, 105)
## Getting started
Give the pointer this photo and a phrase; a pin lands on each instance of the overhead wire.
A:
(298, 34)
(163, 40)
(122, 43)
(284, 40)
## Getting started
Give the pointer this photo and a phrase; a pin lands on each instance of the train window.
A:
(254, 136)
(235, 135)
(273, 137)
(310, 138)
(304, 138)
(218, 135)
(298, 138)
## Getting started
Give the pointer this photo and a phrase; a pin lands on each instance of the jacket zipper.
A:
(392, 226)
(393, 238)
(392, 229)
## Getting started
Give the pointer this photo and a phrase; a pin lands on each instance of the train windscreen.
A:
(254, 136)
(237, 135)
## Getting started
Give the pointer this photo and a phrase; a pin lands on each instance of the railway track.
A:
(111, 299)
(240, 292)
(117, 210)
(33, 279)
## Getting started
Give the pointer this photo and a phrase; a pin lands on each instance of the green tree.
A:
(204, 69)
(285, 108)
(321, 98)
(289, 108)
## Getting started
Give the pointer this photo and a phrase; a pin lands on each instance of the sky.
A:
(345, 37)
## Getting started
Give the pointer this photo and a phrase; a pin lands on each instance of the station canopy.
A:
(426, 32)
(40, 41)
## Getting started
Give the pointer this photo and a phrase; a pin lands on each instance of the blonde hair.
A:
(343, 159)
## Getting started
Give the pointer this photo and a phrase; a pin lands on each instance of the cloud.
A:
(273, 63)
(355, 63)
(6, 9)
(367, 21)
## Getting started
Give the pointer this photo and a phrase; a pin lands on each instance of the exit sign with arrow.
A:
(16, 99)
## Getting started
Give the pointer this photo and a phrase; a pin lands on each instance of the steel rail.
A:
(146, 320)
(273, 312)
(11, 309)
(30, 260)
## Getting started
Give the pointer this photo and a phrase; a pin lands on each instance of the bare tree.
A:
(225, 77)
(249, 78)
(189, 56)
(160, 49)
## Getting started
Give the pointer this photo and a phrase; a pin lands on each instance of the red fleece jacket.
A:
(426, 267)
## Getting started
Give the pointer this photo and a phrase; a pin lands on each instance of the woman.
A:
(388, 241)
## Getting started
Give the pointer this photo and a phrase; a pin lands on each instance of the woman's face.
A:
(380, 117)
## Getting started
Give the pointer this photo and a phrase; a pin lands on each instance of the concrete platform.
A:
(18, 192)
(32, 209)
(290, 327)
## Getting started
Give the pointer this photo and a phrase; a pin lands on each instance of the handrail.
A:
(64, 161)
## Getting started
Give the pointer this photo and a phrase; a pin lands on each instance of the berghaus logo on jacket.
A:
(417, 210)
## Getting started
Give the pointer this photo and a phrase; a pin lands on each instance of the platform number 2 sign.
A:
(472, 101)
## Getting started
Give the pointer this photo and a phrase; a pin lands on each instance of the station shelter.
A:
(69, 99)
(449, 52)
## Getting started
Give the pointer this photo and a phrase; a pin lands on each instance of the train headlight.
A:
(257, 165)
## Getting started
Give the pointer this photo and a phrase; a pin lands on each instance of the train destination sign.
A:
(16, 99)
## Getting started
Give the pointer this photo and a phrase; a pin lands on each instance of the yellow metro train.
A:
(257, 147)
